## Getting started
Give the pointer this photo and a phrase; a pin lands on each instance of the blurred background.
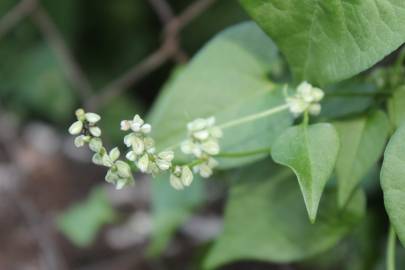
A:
(114, 57)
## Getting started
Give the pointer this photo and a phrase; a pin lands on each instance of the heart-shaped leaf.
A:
(311, 152)
(327, 41)
(265, 220)
(227, 79)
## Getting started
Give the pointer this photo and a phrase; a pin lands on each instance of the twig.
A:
(155, 60)
(163, 10)
(118, 86)
(71, 68)
(15, 15)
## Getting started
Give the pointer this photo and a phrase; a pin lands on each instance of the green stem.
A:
(243, 154)
(253, 117)
(391, 243)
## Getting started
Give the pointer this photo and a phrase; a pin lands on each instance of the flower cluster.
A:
(306, 99)
(203, 143)
(85, 127)
(88, 132)
(142, 148)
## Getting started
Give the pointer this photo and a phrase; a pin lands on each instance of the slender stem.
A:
(253, 117)
(244, 154)
(391, 243)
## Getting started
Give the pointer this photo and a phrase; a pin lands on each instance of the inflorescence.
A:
(202, 143)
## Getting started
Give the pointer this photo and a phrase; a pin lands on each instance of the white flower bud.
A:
(95, 131)
(143, 163)
(175, 182)
(128, 139)
(121, 183)
(111, 177)
(76, 128)
(163, 164)
(210, 121)
(138, 145)
(97, 159)
(123, 169)
(166, 155)
(114, 154)
(80, 114)
(211, 147)
(92, 118)
(80, 141)
(201, 135)
(197, 124)
(146, 128)
(136, 123)
(318, 94)
(125, 125)
(131, 156)
(186, 176)
(205, 170)
(106, 160)
(95, 144)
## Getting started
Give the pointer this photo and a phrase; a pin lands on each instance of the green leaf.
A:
(362, 142)
(347, 98)
(81, 222)
(327, 41)
(396, 106)
(171, 208)
(226, 79)
(311, 152)
(266, 220)
(393, 181)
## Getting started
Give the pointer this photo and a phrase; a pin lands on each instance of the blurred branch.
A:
(71, 68)
(16, 15)
(163, 10)
(168, 50)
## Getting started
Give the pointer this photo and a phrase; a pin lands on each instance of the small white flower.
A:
(131, 156)
(123, 169)
(175, 182)
(138, 145)
(92, 118)
(211, 147)
(81, 140)
(114, 154)
(146, 128)
(95, 144)
(201, 135)
(166, 155)
(143, 163)
(95, 131)
(125, 125)
(137, 123)
(206, 169)
(186, 176)
(306, 99)
(76, 128)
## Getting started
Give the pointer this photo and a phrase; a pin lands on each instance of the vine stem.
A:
(391, 249)
(253, 117)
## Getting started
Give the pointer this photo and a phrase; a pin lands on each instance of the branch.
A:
(71, 68)
(163, 10)
(15, 15)
(132, 76)
(167, 51)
